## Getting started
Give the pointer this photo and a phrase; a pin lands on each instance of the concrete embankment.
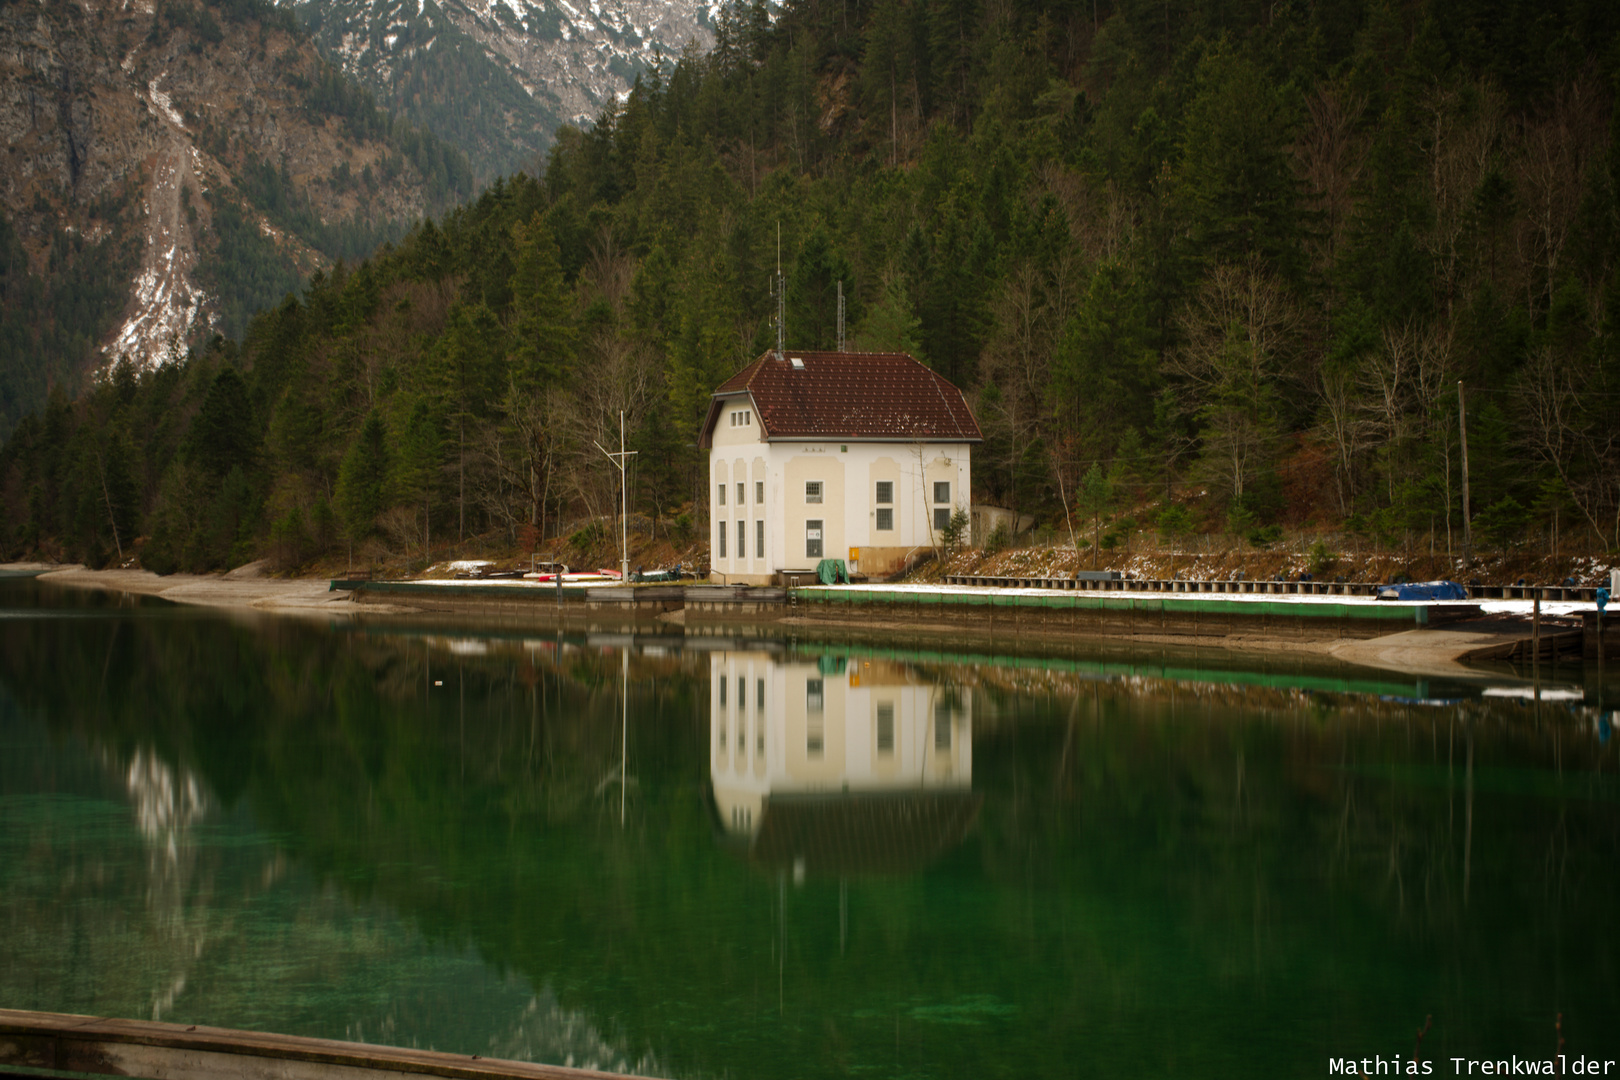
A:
(58, 1042)
(1346, 624)
(1435, 638)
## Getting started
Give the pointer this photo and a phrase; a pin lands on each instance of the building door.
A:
(812, 539)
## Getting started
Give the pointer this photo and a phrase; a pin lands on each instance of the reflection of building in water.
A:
(835, 766)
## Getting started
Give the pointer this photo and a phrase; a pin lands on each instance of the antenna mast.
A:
(841, 344)
(781, 298)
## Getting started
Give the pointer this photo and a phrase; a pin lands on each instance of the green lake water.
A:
(701, 858)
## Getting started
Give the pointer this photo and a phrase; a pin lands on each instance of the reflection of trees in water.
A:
(1432, 845)
(1146, 848)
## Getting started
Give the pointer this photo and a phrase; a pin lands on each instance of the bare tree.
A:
(1029, 315)
(1558, 435)
(1344, 427)
(1238, 332)
(1464, 132)
(1329, 157)
(1555, 150)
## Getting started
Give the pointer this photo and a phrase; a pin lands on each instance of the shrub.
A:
(1502, 522)
(589, 536)
(955, 530)
(998, 540)
(1265, 535)
(1322, 558)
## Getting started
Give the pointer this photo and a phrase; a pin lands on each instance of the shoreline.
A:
(236, 591)
(1434, 652)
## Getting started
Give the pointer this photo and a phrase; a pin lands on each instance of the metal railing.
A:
(1245, 586)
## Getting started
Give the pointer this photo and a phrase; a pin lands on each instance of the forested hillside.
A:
(1217, 265)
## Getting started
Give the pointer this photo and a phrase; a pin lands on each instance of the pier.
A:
(34, 1044)
(1247, 615)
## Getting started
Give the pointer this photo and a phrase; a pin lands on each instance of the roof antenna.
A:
(842, 345)
(781, 300)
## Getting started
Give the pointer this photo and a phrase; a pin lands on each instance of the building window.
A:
(816, 722)
(759, 729)
(742, 539)
(942, 727)
(759, 492)
(885, 491)
(885, 728)
(759, 539)
(942, 518)
(812, 539)
(720, 534)
(722, 693)
(721, 497)
(742, 694)
(759, 700)
(885, 519)
(742, 497)
(812, 491)
(942, 491)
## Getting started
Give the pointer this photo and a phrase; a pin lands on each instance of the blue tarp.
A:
(1423, 590)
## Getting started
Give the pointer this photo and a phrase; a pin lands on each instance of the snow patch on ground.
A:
(161, 104)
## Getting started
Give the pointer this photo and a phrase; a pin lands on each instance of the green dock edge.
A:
(1418, 615)
(1168, 605)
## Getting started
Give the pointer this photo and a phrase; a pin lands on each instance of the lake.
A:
(702, 857)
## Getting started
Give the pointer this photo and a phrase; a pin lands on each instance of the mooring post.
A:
(1535, 628)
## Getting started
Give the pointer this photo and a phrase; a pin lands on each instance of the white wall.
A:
(848, 473)
(755, 752)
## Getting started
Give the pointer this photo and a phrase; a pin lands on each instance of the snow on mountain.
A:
(498, 77)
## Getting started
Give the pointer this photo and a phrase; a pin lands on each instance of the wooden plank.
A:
(157, 1051)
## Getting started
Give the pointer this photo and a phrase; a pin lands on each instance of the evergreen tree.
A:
(362, 490)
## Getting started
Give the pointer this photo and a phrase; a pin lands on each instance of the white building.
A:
(824, 455)
(857, 765)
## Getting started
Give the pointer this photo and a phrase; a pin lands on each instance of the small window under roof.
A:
(797, 362)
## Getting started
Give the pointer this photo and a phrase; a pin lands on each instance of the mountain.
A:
(172, 168)
(496, 78)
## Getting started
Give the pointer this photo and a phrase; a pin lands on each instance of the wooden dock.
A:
(40, 1043)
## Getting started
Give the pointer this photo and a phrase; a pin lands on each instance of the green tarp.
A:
(831, 572)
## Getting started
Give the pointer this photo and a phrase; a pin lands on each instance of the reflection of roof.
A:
(830, 395)
(863, 833)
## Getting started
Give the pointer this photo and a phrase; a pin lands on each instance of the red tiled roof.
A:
(884, 396)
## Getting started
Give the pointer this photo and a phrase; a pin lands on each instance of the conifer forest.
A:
(1224, 266)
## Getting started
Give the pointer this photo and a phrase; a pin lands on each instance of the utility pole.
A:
(619, 459)
(1462, 425)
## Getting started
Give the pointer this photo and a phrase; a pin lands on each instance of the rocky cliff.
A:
(205, 157)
